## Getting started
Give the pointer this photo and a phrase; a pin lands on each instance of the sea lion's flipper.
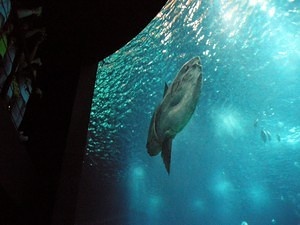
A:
(166, 153)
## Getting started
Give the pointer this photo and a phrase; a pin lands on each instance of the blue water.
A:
(222, 172)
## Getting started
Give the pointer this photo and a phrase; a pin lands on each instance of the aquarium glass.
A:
(237, 161)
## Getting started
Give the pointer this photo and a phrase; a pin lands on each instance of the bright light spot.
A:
(244, 223)
(138, 172)
(136, 187)
(227, 16)
(228, 121)
(199, 204)
(154, 204)
(253, 2)
(230, 14)
(280, 124)
(136, 181)
(272, 12)
(264, 6)
(154, 201)
(206, 52)
(258, 195)
(256, 2)
(294, 136)
(223, 187)
(262, 3)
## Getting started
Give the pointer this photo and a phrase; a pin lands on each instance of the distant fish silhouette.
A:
(255, 122)
(175, 110)
(278, 137)
(265, 135)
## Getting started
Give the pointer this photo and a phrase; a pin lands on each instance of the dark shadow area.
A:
(46, 177)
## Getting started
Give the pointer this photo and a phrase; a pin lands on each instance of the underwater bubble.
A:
(244, 223)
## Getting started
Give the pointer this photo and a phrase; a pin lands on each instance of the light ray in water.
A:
(228, 122)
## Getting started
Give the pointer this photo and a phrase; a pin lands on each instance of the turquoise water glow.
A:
(222, 172)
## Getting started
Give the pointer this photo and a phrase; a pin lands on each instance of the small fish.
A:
(268, 135)
(278, 137)
(255, 122)
(265, 135)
